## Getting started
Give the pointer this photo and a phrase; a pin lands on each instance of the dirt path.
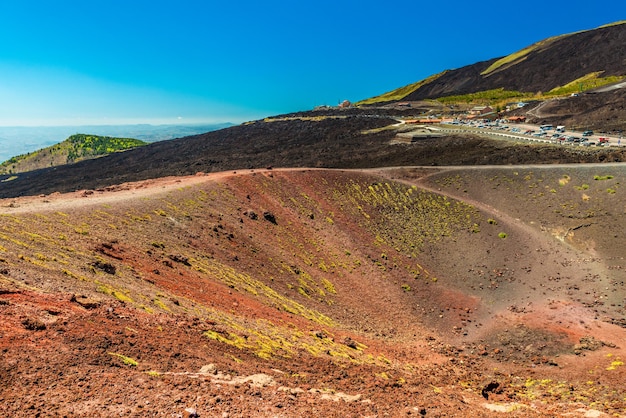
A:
(109, 195)
(536, 111)
(145, 188)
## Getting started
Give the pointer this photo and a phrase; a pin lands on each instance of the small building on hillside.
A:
(416, 134)
(480, 110)
(517, 119)
(422, 121)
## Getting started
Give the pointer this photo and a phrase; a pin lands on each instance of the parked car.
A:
(587, 133)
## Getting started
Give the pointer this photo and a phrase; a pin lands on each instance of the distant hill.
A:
(557, 66)
(17, 140)
(75, 148)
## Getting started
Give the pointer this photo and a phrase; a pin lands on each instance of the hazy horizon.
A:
(136, 123)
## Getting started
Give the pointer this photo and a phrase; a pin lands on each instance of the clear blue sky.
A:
(134, 61)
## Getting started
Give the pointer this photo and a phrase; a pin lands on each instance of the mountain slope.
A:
(75, 148)
(359, 138)
(541, 67)
(305, 292)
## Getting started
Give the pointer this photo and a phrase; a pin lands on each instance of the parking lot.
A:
(547, 134)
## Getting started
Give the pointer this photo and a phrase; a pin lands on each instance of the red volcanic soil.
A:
(289, 293)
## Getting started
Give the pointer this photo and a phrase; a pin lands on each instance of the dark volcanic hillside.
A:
(352, 139)
(552, 63)
(603, 111)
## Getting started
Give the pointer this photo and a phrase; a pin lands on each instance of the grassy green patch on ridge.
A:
(400, 93)
(520, 55)
(486, 96)
(75, 148)
(586, 82)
